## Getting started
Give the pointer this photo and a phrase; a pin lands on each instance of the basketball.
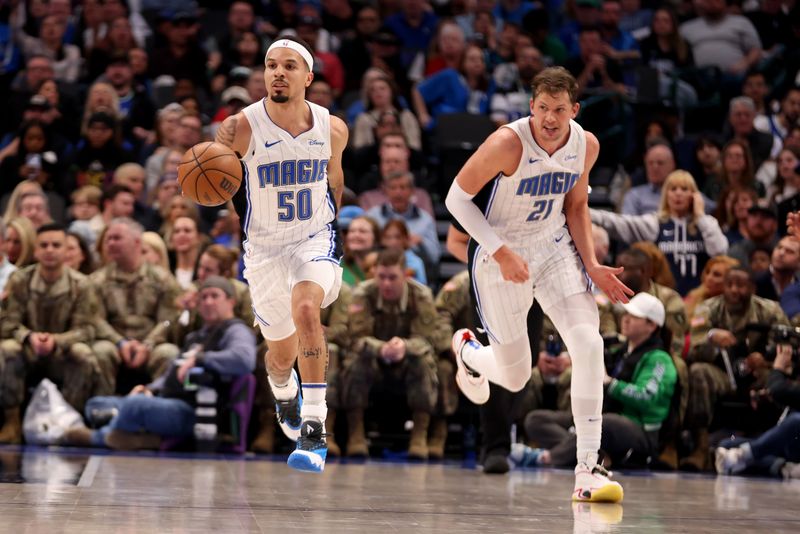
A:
(210, 173)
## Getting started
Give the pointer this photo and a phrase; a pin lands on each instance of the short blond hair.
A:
(90, 193)
(555, 80)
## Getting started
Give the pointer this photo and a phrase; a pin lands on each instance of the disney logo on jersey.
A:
(315, 142)
(549, 183)
(570, 157)
(292, 172)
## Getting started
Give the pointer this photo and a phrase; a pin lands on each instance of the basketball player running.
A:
(537, 171)
(292, 155)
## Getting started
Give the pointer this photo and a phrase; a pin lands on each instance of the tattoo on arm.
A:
(227, 131)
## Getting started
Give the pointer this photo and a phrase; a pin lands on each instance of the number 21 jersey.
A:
(528, 204)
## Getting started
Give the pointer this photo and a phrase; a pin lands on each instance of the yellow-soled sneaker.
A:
(592, 484)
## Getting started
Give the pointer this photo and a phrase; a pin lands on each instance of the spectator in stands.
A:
(35, 160)
(45, 330)
(639, 390)
(382, 97)
(669, 53)
(686, 235)
(392, 328)
(117, 42)
(787, 195)
(661, 270)
(782, 272)
(100, 151)
(135, 306)
(154, 250)
(761, 230)
(395, 235)
(621, 44)
(708, 153)
(20, 237)
(187, 244)
(587, 15)
(594, 71)
(393, 159)
(179, 206)
(363, 236)
(736, 171)
(601, 243)
(638, 276)
(34, 207)
(326, 62)
(536, 24)
(100, 97)
(778, 443)
(759, 260)
(66, 57)
(448, 48)
(223, 349)
(723, 40)
(466, 89)
(659, 163)
(179, 54)
(712, 282)
(777, 124)
(320, 93)
(755, 87)
(722, 323)
(6, 267)
(415, 26)
(77, 254)
(737, 202)
(511, 99)
(740, 125)
(135, 105)
(399, 188)
(354, 51)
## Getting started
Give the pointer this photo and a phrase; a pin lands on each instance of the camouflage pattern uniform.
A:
(708, 378)
(372, 322)
(243, 309)
(454, 306)
(335, 318)
(63, 309)
(139, 305)
(675, 320)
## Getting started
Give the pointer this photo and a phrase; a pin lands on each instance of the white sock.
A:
(314, 405)
(285, 391)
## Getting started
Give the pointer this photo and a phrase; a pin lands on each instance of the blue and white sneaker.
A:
(312, 449)
(288, 412)
(523, 456)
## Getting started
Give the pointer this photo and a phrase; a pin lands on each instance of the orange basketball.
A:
(210, 173)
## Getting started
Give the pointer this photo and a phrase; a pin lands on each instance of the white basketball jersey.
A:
(529, 203)
(288, 198)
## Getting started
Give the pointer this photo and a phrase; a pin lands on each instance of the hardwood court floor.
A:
(78, 491)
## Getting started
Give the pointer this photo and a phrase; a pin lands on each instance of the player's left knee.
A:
(583, 341)
(306, 314)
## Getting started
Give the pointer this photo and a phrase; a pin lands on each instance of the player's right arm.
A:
(234, 132)
(498, 155)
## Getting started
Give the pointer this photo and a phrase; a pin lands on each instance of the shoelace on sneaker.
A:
(285, 408)
(467, 339)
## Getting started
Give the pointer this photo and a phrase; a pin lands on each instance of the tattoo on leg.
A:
(310, 352)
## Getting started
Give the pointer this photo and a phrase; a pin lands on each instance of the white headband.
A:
(293, 45)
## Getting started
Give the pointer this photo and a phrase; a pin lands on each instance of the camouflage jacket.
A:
(373, 321)
(62, 308)
(139, 305)
(334, 317)
(454, 305)
(712, 313)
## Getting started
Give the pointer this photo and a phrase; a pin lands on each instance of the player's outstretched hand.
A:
(513, 267)
(606, 279)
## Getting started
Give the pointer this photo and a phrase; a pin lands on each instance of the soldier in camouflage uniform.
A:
(45, 330)
(135, 308)
(719, 327)
(454, 306)
(392, 326)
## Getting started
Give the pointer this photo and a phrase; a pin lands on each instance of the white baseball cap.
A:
(646, 306)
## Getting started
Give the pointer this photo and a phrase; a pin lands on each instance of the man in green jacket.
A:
(638, 392)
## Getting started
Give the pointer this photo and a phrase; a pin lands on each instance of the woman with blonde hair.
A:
(23, 188)
(100, 97)
(712, 282)
(19, 242)
(154, 250)
(680, 228)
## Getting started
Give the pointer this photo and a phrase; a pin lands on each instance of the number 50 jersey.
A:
(286, 180)
(529, 204)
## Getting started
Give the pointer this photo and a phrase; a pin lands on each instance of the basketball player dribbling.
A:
(292, 155)
(531, 235)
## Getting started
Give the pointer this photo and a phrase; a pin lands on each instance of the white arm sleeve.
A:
(460, 205)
